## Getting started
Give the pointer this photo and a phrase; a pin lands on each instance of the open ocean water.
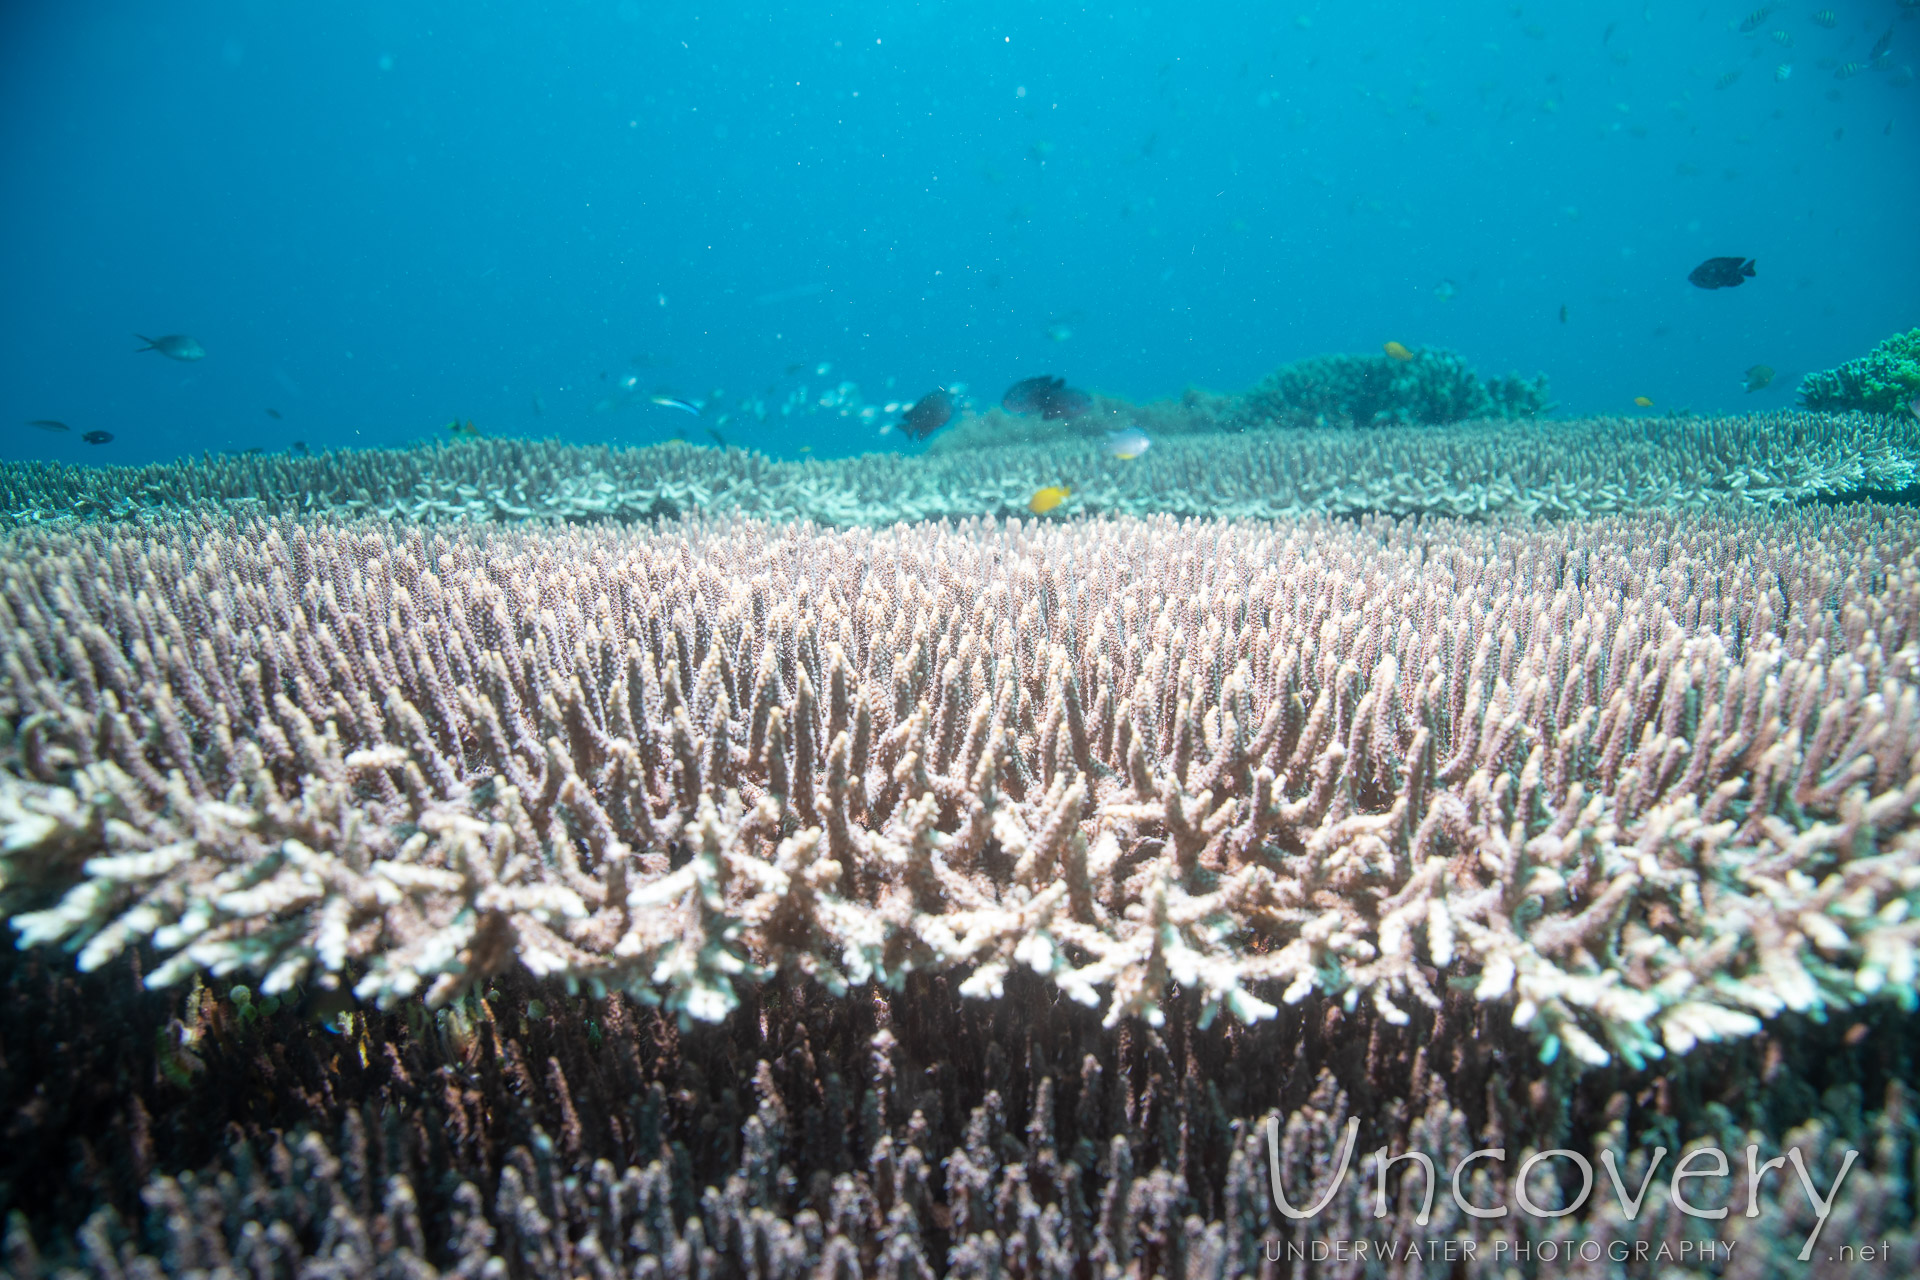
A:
(785, 642)
(379, 218)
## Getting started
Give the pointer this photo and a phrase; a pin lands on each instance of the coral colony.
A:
(500, 860)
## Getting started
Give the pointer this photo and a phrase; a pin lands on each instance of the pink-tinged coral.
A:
(1638, 783)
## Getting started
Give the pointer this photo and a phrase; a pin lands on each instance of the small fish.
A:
(1846, 71)
(1783, 38)
(467, 430)
(1643, 402)
(1783, 72)
(1608, 33)
(1758, 376)
(49, 424)
(1563, 313)
(1045, 500)
(674, 402)
(300, 449)
(274, 414)
(1881, 47)
(717, 438)
(1826, 18)
(1755, 20)
(1913, 406)
(1128, 443)
(1445, 290)
(1059, 332)
(1397, 351)
(1721, 273)
(929, 413)
(174, 346)
(1727, 80)
(98, 437)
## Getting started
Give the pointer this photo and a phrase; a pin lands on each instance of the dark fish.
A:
(1720, 273)
(1563, 313)
(929, 413)
(1758, 376)
(467, 429)
(1049, 397)
(97, 437)
(1755, 20)
(274, 414)
(300, 449)
(174, 346)
(1881, 47)
(49, 424)
(717, 437)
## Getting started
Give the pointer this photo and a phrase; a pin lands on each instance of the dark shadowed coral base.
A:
(881, 1134)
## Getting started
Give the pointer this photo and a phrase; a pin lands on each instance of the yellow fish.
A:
(1643, 402)
(1045, 500)
(1397, 351)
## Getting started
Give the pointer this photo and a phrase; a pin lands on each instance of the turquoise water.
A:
(377, 218)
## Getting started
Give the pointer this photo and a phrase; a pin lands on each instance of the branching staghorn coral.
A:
(1540, 467)
(1643, 782)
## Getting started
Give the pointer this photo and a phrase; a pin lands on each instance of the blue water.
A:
(378, 217)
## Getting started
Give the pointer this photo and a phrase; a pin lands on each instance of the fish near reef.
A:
(1397, 350)
(1128, 443)
(98, 437)
(49, 424)
(1045, 500)
(464, 431)
(1643, 402)
(1049, 397)
(929, 413)
(1721, 273)
(174, 346)
(1757, 377)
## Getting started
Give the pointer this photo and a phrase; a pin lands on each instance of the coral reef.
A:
(1543, 467)
(1431, 387)
(1884, 380)
(1638, 783)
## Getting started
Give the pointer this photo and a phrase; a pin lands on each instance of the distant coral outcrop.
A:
(1428, 386)
(1885, 380)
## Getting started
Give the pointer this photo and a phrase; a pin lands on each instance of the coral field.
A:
(715, 896)
(1539, 467)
